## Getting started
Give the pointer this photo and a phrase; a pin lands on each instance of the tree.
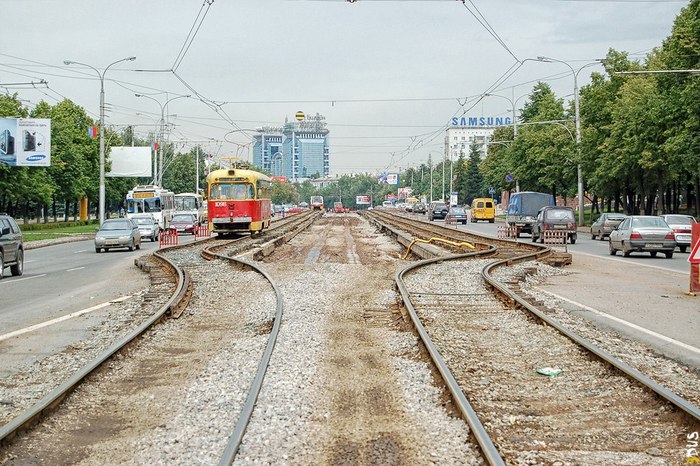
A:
(474, 178)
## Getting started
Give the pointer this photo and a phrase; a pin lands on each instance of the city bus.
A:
(238, 200)
(151, 199)
(191, 203)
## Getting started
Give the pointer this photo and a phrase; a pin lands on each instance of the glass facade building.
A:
(295, 150)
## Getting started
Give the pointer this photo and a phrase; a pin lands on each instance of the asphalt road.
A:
(584, 244)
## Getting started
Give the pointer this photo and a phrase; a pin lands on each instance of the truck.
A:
(523, 208)
(338, 207)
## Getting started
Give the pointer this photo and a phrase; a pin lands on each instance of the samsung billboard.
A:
(485, 121)
(25, 142)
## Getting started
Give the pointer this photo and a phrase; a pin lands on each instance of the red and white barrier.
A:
(505, 231)
(168, 237)
(201, 231)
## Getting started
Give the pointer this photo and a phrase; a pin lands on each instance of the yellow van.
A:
(483, 208)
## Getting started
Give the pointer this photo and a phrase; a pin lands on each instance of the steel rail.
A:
(468, 413)
(53, 398)
(625, 368)
(239, 430)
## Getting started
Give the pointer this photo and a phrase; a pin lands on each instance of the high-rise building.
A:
(466, 131)
(296, 150)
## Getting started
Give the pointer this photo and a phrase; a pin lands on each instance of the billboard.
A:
(130, 161)
(362, 200)
(25, 142)
(388, 178)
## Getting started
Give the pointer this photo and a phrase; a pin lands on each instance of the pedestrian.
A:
(121, 211)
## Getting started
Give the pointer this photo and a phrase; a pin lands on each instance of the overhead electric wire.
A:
(481, 19)
(191, 35)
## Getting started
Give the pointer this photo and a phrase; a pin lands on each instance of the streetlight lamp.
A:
(513, 103)
(101, 208)
(578, 129)
(158, 176)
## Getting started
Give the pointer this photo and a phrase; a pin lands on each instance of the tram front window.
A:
(238, 192)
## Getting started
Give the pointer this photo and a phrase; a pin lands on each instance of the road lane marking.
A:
(62, 318)
(20, 279)
(626, 260)
(78, 252)
(77, 268)
(624, 322)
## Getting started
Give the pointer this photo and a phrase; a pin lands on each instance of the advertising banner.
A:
(392, 178)
(25, 142)
(130, 161)
(362, 200)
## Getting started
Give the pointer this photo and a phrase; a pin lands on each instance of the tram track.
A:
(469, 310)
(181, 262)
(346, 324)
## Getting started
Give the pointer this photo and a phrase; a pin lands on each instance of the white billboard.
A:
(130, 161)
(25, 142)
(363, 200)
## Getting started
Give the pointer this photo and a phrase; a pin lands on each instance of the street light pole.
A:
(578, 130)
(101, 208)
(158, 176)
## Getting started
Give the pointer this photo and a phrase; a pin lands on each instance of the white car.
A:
(682, 228)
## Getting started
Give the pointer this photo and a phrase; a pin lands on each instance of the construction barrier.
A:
(201, 231)
(168, 237)
(555, 237)
(504, 231)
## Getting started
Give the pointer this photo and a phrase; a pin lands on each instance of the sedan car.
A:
(456, 214)
(118, 233)
(437, 209)
(183, 223)
(148, 226)
(606, 223)
(682, 226)
(642, 233)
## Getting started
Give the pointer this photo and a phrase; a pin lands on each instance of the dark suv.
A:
(557, 219)
(11, 246)
(437, 210)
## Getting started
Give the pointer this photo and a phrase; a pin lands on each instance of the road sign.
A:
(509, 177)
(492, 191)
(694, 257)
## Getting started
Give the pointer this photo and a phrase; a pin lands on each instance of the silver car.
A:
(148, 226)
(682, 227)
(642, 233)
(605, 224)
(118, 233)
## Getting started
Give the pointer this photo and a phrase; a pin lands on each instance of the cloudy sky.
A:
(387, 75)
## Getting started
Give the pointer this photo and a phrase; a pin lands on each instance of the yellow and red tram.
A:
(238, 201)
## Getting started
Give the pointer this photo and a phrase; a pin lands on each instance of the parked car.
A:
(642, 233)
(419, 208)
(183, 223)
(148, 226)
(118, 233)
(556, 218)
(606, 223)
(483, 209)
(11, 246)
(437, 209)
(456, 214)
(681, 226)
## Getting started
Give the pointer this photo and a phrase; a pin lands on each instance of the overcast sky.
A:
(387, 75)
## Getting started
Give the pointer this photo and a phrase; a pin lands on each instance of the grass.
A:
(35, 235)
